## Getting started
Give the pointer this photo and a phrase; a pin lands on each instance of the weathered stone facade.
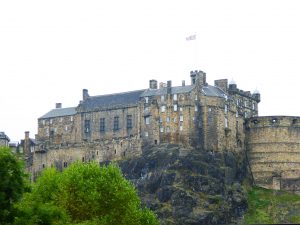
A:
(273, 144)
(113, 126)
(213, 118)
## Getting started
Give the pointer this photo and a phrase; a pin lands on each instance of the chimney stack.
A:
(169, 86)
(153, 84)
(222, 84)
(85, 94)
(183, 83)
(58, 105)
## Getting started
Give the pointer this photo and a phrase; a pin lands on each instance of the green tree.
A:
(84, 194)
(12, 183)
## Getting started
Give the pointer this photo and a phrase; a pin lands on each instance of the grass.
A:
(270, 207)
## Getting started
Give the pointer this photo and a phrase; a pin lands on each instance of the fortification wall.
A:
(273, 148)
(61, 156)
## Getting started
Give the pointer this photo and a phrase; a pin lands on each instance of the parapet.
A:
(271, 121)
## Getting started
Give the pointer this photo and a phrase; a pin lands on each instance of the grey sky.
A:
(51, 50)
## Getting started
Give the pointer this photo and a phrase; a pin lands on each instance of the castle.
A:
(215, 118)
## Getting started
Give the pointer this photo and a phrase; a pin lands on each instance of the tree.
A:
(12, 183)
(84, 194)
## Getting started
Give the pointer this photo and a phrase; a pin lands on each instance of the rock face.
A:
(189, 186)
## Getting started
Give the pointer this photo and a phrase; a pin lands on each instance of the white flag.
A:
(192, 37)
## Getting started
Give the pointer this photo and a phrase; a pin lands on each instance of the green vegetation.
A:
(269, 207)
(83, 194)
(12, 184)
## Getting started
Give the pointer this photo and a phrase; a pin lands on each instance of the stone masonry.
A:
(214, 118)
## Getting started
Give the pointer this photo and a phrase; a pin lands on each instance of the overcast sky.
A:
(51, 50)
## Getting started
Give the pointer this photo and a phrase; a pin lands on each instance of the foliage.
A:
(12, 183)
(83, 194)
(270, 206)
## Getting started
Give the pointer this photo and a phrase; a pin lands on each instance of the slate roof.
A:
(111, 100)
(163, 91)
(213, 91)
(206, 90)
(59, 112)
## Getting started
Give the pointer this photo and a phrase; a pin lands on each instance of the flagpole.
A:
(194, 51)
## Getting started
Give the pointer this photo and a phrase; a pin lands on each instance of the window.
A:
(161, 129)
(163, 108)
(129, 121)
(180, 109)
(102, 124)
(181, 118)
(51, 121)
(226, 122)
(147, 120)
(196, 97)
(65, 164)
(146, 134)
(181, 127)
(71, 118)
(116, 123)
(146, 99)
(168, 119)
(43, 121)
(162, 98)
(168, 129)
(236, 114)
(160, 120)
(175, 97)
(175, 108)
(226, 109)
(196, 108)
(60, 119)
(253, 106)
(87, 127)
(66, 128)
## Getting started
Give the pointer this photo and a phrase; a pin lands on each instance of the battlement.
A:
(273, 121)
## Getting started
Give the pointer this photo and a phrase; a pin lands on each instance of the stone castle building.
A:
(215, 118)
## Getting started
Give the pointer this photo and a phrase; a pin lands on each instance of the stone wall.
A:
(61, 156)
(273, 146)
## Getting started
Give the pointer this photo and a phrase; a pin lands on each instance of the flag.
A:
(190, 38)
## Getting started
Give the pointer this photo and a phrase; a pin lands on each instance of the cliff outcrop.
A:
(189, 186)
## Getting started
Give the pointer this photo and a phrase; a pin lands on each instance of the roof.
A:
(4, 136)
(163, 91)
(213, 91)
(208, 90)
(59, 112)
(111, 100)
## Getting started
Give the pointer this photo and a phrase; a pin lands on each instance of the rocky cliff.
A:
(189, 186)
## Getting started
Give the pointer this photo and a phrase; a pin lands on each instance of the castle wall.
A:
(273, 146)
(61, 156)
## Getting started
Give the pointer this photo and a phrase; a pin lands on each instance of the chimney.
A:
(222, 84)
(85, 94)
(162, 85)
(26, 143)
(153, 84)
(58, 105)
(169, 86)
(26, 135)
(183, 83)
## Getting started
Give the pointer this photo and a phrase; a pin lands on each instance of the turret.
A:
(198, 77)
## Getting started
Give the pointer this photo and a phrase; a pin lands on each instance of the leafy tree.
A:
(84, 194)
(12, 183)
